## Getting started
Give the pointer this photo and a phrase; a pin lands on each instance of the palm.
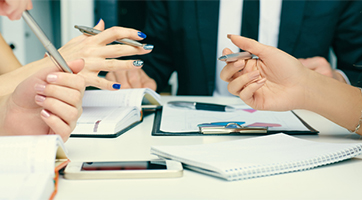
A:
(279, 91)
(23, 114)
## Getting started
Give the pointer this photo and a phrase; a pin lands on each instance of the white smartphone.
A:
(123, 169)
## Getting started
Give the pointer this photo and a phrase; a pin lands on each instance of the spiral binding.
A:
(242, 173)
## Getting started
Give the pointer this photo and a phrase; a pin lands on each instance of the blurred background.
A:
(58, 17)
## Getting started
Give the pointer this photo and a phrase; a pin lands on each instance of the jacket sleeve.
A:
(347, 42)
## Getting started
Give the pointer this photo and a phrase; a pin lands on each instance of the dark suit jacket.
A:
(184, 34)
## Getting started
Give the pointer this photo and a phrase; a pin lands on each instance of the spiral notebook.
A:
(258, 156)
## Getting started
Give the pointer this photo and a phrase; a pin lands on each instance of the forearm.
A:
(10, 80)
(338, 102)
(3, 111)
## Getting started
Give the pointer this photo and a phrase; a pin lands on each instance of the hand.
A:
(322, 66)
(99, 56)
(133, 78)
(48, 102)
(13, 9)
(266, 83)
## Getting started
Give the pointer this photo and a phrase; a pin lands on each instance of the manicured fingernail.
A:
(116, 86)
(138, 63)
(52, 78)
(39, 98)
(229, 36)
(45, 114)
(99, 20)
(142, 35)
(148, 47)
(39, 87)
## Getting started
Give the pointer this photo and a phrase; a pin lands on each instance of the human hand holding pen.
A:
(266, 83)
(48, 102)
(99, 56)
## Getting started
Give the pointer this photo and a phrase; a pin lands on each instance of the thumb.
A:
(76, 65)
(29, 6)
(100, 25)
(248, 44)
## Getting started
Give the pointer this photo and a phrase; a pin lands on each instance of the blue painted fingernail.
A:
(116, 86)
(99, 20)
(142, 35)
(148, 47)
(138, 63)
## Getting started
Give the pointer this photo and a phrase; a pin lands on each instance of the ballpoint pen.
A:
(201, 106)
(236, 56)
(91, 31)
(52, 52)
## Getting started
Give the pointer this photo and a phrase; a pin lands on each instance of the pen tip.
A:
(222, 58)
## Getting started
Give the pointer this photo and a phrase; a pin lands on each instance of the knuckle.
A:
(73, 114)
(111, 65)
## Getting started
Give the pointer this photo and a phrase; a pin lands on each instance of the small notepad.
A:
(259, 156)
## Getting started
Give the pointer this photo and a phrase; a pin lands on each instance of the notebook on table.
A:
(259, 156)
(170, 121)
(108, 114)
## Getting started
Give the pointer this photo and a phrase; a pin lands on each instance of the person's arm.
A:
(278, 81)
(48, 102)
(8, 61)
(98, 56)
(321, 65)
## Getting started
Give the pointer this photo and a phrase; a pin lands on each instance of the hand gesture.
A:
(48, 102)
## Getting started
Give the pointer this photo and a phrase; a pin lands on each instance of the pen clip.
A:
(230, 127)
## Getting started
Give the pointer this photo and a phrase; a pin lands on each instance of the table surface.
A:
(341, 180)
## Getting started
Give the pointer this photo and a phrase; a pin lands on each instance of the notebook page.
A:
(247, 154)
(28, 154)
(26, 186)
(123, 97)
(104, 119)
(186, 120)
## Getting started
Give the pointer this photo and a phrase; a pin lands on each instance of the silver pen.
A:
(236, 56)
(52, 52)
(91, 31)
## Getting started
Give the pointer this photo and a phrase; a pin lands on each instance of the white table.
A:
(337, 181)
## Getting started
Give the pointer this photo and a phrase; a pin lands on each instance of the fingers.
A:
(239, 83)
(115, 33)
(103, 83)
(61, 100)
(135, 78)
(100, 25)
(247, 94)
(76, 65)
(14, 9)
(120, 50)
(110, 65)
(247, 44)
(57, 125)
(121, 77)
(232, 70)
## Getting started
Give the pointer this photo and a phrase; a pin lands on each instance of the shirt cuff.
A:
(344, 76)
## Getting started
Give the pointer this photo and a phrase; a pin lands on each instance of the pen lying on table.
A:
(201, 106)
(91, 31)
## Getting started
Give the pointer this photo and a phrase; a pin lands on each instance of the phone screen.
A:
(126, 165)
